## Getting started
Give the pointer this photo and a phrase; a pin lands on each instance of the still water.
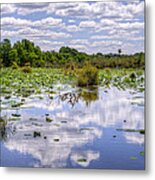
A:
(75, 128)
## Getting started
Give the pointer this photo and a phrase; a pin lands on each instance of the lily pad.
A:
(142, 153)
(36, 134)
(48, 119)
(82, 160)
(16, 115)
(133, 158)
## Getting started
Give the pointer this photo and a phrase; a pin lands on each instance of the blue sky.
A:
(87, 26)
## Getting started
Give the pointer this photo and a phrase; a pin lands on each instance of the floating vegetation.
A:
(25, 84)
(16, 115)
(142, 153)
(33, 119)
(7, 97)
(17, 105)
(27, 135)
(82, 160)
(36, 134)
(141, 131)
(14, 119)
(133, 158)
(86, 129)
(48, 119)
(2, 120)
(57, 125)
(64, 122)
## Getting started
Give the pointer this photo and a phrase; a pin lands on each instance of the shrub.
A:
(26, 69)
(14, 65)
(87, 76)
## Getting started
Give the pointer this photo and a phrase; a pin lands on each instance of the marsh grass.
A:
(87, 76)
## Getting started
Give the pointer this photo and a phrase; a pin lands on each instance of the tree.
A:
(5, 48)
(13, 56)
(119, 51)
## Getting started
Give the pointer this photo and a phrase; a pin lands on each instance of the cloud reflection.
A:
(73, 127)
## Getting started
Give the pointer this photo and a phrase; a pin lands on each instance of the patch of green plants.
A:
(133, 158)
(141, 131)
(82, 160)
(48, 119)
(26, 69)
(87, 76)
(36, 134)
(142, 153)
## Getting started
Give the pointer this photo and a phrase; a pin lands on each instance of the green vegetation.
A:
(142, 153)
(15, 82)
(87, 76)
(25, 51)
(141, 131)
(36, 134)
(48, 119)
(133, 158)
(82, 160)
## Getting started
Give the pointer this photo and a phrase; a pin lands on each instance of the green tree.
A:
(5, 48)
(13, 56)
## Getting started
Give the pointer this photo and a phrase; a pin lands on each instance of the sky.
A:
(89, 27)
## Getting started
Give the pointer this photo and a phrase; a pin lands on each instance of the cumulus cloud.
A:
(87, 26)
(8, 8)
(79, 41)
(30, 32)
(11, 21)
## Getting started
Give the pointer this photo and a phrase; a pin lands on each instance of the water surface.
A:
(75, 128)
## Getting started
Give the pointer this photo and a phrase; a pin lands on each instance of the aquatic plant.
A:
(26, 69)
(87, 76)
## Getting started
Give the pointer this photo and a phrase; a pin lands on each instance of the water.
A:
(76, 128)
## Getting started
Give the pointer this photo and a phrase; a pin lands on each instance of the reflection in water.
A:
(84, 158)
(5, 130)
(3, 133)
(72, 127)
(87, 95)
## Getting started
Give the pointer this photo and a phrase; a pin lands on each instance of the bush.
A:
(26, 69)
(87, 76)
(14, 65)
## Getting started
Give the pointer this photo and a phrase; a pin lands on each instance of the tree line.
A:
(26, 52)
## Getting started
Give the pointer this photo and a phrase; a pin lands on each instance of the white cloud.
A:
(31, 32)
(79, 47)
(109, 24)
(131, 25)
(29, 8)
(48, 22)
(72, 28)
(42, 23)
(79, 41)
(87, 24)
(8, 8)
(11, 21)
(106, 43)
(80, 9)
(71, 21)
